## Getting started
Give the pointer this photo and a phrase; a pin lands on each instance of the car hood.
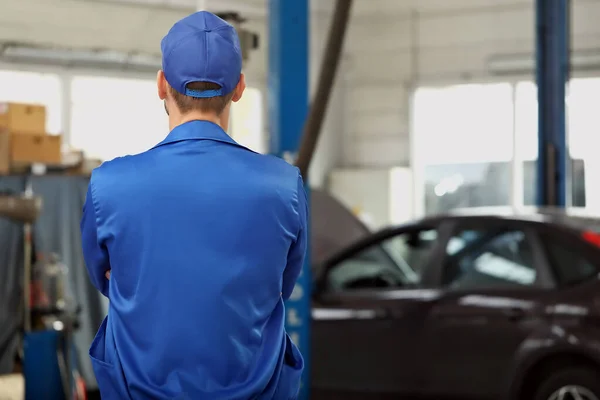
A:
(333, 226)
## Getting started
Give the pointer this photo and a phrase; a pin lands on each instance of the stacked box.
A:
(23, 137)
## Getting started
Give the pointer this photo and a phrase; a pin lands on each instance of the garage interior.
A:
(455, 224)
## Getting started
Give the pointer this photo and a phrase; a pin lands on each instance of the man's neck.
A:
(176, 120)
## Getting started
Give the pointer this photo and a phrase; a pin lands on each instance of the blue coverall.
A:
(204, 240)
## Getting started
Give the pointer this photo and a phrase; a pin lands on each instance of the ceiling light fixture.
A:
(107, 59)
(519, 64)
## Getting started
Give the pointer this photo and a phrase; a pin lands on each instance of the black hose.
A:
(329, 67)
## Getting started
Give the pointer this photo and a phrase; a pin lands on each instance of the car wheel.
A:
(570, 384)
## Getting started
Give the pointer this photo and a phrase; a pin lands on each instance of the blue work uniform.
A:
(204, 240)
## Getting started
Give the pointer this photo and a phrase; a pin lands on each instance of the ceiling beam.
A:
(252, 9)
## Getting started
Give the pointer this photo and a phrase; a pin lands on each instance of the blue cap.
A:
(202, 48)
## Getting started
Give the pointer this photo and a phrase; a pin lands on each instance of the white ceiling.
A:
(249, 8)
(361, 8)
(138, 25)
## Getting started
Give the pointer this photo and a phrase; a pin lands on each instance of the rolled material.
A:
(20, 208)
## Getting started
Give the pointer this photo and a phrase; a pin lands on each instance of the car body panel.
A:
(430, 340)
(358, 329)
(471, 340)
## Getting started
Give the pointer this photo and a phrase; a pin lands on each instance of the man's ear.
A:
(161, 85)
(239, 89)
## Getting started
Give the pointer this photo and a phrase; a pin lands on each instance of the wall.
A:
(396, 45)
(140, 27)
(376, 195)
(329, 152)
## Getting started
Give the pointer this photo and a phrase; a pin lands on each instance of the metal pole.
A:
(288, 106)
(552, 75)
(67, 106)
(27, 264)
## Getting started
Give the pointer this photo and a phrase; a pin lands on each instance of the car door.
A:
(493, 275)
(369, 314)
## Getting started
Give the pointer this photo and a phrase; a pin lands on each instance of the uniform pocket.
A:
(103, 367)
(98, 347)
(106, 380)
(291, 373)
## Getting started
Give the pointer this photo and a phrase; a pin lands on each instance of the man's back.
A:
(200, 234)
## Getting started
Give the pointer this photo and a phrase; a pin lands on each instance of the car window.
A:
(394, 262)
(569, 265)
(478, 259)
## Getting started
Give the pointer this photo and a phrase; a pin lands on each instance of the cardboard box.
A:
(35, 148)
(23, 118)
(12, 387)
(4, 152)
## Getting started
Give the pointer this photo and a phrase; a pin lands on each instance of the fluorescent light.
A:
(513, 64)
(80, 58)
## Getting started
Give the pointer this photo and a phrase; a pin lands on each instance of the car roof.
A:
(575, 218)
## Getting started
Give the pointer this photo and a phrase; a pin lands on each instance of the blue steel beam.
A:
(288, 108)
(552, 75)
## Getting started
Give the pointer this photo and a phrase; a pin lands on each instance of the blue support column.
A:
(552, 75)
(288, 108)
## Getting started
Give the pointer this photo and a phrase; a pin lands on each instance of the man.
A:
(196, 242)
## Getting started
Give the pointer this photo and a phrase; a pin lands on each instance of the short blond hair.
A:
(186, 104)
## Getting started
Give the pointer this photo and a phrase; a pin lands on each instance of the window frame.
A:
(544, 276)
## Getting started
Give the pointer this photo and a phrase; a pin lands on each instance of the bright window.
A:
(584, 119)
(464, 123)
(526, 121)
(36, 88)
(247, 121)
(113, 117)
(464, 137)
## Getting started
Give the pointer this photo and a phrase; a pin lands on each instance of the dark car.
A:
(463, 307)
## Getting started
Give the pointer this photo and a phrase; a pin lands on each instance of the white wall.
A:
(86, 24)
(376, 195)
(329, 152)
(398, 45)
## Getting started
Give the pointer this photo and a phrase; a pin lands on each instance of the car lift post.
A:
(288, 107)
(552, 75)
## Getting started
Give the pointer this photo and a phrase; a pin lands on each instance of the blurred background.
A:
(450, 256)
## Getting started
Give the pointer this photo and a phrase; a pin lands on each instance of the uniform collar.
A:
(198, 130)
